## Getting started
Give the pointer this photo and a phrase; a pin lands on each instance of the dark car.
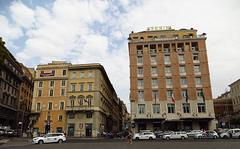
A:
(159, 133)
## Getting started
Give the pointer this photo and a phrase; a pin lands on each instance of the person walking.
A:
(129, 136)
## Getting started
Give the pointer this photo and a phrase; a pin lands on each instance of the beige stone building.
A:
(235, 95)
(169, 80)
(92, 105)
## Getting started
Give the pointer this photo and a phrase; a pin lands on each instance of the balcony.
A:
(80, 108)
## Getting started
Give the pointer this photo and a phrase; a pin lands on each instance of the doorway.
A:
(88, 128)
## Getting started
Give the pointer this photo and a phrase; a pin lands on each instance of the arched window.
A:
(89, 100)
(72, 98)
(80, 100)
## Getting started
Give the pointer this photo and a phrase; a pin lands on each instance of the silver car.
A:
(176, 135)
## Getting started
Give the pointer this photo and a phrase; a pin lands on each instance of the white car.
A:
(193, 133)
(144, 136)
(207, 135)
(231, 133)
(176, 135)
(50, 138)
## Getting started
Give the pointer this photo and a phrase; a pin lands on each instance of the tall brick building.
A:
(169, 80)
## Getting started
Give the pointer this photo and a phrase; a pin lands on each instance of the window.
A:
(185, 96)
(171, 108)
(73, 87)
(89, 115)
(89, 101)
(140, 83)
(40, 84)
(82, 75)
(167, 59)
(169, 94)
(181, 58)
(195, 57)
(154, 71)
(155, 95)
(90, 74)
(139, 60)
(183, 81)
(60, 117)
(156, 108)
(39, 93)
(182, 69)
(153, 59)
(61, 105)
(73, 75)
(62, 92)
(167, 70)
(200, 96)
(51, 83)
(140, 96)
(169, 82)
(154, 82)
(71, 115)
(50, 106)
(81, 87)
(198, 81)
(63, 82)
(38, 106)
(139, 51)
(51, 92)
(197, 68)
(72, 103)
(201, 107)
(90, 86)
(141, 108)
(140, 71)
(186, 108)
(64, 72)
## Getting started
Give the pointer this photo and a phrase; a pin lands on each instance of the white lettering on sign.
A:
(157, 28)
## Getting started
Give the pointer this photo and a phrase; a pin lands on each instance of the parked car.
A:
(176, 135)
(50, 138)
(2, 132)
(231, 133)
(207, 135)
(144, 136)
(193, 133)
(159, 133)
(10, 133)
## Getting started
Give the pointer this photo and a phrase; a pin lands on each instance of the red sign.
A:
(47, 74)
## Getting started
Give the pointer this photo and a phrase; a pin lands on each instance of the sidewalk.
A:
(10, 142)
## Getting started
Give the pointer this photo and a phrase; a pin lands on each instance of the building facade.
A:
(235, 95)
(10, 82)
(169, 80)
(49, 98)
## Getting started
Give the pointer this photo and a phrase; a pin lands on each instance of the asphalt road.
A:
(122, 144)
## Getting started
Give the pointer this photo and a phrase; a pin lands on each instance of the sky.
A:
(96, 31)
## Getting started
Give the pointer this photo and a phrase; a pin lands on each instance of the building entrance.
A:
(88, 128)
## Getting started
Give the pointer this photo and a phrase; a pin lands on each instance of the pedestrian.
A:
(129, 136)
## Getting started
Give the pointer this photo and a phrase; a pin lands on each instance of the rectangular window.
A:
(51, 92)
(184, 96)
(153, 59)
(73, 75)
(181, 58)
(50, 106)
(169, 82)
(61, 105)
(155, 95)
(89, 115)
(200, 96)
(198, 81)
(39, 93)
(182, 69)
(62, 92)
(186, 107)
(71, 115)
(154, 71)
(140, 96)
(90, 74)
(73, 87)
(63, 82)
(197, 68)
(171, 108)
(156, 108)
(81, 87)
(140, 83)
(64, 72)
(90, 86)
(169, 94)
(167, 59)
(141, 108)
(154, 82)
(195, 57)
(82, 75)
(139, 60)
(201, 107)
(183, 81)
(51, 83)
(140, 71)
(38, 106)
(40, 84)
(60, 117)
(167, 70)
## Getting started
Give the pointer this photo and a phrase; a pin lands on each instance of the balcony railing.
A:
(79, 108)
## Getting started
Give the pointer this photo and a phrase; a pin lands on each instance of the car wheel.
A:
(150, 138)
(167, 138)
(60, 141)
(137, 138)
(200, 137)
(40, 142)
(225, 137)
(214, 137)
(182, 137)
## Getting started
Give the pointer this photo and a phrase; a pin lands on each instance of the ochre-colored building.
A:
(235, 95)
(169, 80)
